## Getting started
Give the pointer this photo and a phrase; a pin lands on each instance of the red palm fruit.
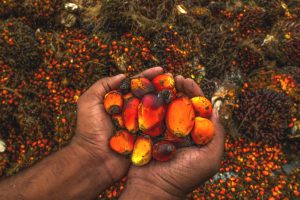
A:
(202, 106)
(180, 116)
(122, 142)
(165, 82)
(127, 96)
(163, 151)
(142, 151)
(155, 131)
(113, 102)
(151, 112)
(141, 86)
(203, 131)
(118, 121)
(171, 137)
(130, 114)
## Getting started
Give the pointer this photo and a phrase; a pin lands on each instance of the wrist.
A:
(97, 164)
(106, 162)
(139, 189)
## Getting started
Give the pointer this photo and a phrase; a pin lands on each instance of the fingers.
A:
(217, 144)
(179, 80)
(151, 73)
(191, 88)
(95, 94)
(188, 86)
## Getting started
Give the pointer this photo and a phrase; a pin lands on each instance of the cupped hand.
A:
(94, 126)
(189, 167)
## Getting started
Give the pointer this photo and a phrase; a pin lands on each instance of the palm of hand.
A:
(190, 166)
(94, 126)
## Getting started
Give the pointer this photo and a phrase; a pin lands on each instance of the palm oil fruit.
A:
(145, 111)
(118, 121)
(151, 112)
(203, 131)
(113, 102)
(155, 131)
(142, 151)
(122, 142)
(127, 96)
(202, 106)
(171, 137)
(180, 116)
(165, 82)
(163, 151)
(130, 114)
(141, 86)
(125, 86)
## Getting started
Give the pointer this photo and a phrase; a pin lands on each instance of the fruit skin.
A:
(155, 131)
(202, 106)
(151, 112)
(113, 102)
(127, 96)
(171, 137)
(180, 116)
(118, 121)
(130, 114)
(163, 151)
(141, 86)
(125, 86)
(142, 151)
(203, 131)
(122, 142)
(165, 82)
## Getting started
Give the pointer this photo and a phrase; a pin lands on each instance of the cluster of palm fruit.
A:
(152, 119)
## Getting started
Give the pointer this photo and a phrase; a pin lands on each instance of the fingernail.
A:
(120, 76)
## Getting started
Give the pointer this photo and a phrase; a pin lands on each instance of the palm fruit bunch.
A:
(263, 114)
(152, 119)
(18, 45)
(283, 43)
(10, 7)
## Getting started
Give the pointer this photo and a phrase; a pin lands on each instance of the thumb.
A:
(218, 141)
(95, 94)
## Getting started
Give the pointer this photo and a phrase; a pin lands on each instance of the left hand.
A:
(95, 127)
(190, 166)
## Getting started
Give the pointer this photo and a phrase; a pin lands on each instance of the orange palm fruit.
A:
(155, 131)
(203, 131)
(130, 114)
(165, 82)
(122, 142)
(202, 106)
(180, 116)
(142, 151)
(163, 151)
(171, 137)
(113, 102)
(118, 121)
(151, 112)
(141, 86)
(127, 96)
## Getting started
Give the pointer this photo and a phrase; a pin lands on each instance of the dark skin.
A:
(87, 166)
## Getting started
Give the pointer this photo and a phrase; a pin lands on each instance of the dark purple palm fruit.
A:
(263, 115)
(283, 43)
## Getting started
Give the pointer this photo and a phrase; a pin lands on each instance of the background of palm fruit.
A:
(243, 53)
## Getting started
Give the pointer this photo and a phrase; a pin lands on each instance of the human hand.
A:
(95, 127)
(190, 166)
